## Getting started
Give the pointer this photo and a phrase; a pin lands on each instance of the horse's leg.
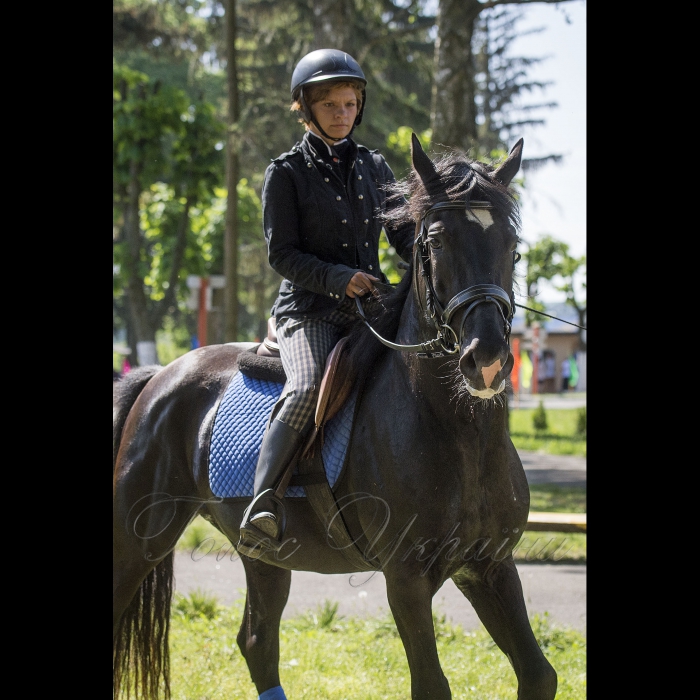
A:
(497, 596)
(258, 638)
(410, 598)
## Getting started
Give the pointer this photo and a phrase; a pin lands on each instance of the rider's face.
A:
(335, 113)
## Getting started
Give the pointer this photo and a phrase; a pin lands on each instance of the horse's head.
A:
(464, 257)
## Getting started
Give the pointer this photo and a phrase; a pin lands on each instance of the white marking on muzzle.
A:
(485, 393)
(488, 373)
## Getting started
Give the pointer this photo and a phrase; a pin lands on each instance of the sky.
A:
(554, 199)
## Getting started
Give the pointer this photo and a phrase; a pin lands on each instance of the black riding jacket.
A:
(321, 228)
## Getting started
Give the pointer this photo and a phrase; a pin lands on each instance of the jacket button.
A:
(326, 179)
(360, 196)
(345, 245)
(308, 165)
(359, 161)
(337, 297)
(359, 177)
(338, 197)
(366, 244)
(331, 293)
(366, 221)
(344, 221)
(369, 267)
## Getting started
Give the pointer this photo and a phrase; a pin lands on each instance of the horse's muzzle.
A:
(485, 372)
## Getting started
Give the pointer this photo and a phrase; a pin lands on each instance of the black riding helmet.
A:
(319, 66)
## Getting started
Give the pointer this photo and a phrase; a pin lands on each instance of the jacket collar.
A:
(318, 148)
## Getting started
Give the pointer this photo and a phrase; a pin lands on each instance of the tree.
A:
(549, 259)
(238, 58)
(570, 268)
(501, 80)
(543, 261)
(232, 176)
(460, 63)
(165, 163)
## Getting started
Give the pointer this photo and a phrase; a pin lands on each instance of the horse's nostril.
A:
(467, 364)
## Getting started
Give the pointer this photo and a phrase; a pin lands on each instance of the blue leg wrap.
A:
(275, 693)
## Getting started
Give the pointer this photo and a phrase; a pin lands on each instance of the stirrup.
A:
(253, 541)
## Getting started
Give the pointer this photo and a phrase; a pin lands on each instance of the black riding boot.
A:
(261, 527)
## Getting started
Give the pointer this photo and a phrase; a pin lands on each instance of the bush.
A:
(539, 418)
(581, 422)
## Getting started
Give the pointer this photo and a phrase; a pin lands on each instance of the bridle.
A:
(447, 341)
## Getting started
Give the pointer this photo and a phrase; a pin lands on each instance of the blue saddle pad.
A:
(238, 432)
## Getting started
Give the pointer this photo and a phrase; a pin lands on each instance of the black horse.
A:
(432, 488)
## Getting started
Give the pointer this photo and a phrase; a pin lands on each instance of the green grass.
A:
(561, 437)
(324, 656)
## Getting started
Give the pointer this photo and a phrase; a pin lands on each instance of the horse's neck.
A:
(427, 377)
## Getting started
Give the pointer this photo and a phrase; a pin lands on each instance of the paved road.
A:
(557, 589)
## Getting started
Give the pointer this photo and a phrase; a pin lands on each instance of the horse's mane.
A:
(461, 178)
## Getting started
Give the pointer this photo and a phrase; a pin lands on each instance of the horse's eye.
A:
(434, 243)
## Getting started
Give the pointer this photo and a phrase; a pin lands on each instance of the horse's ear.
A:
(423, 165)
(510, 166)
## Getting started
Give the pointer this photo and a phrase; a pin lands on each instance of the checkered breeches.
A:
(305, 344)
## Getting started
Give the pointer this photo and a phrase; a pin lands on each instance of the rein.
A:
(441, 316)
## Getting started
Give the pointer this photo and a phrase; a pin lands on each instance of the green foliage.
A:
(551, 498)
(581, 422)
(198, 604)
(552, 547)
(170, 112)
(398, 143)
(325, 616)
(172, 341)
(200, 531)
(539, 418)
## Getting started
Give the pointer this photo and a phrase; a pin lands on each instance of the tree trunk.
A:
(232, 166)
(144, 330)
(170, 298)
(453, 110)
(333, 25)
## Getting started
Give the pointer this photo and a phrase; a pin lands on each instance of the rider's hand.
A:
(361, 285)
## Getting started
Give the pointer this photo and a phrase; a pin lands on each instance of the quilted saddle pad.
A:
(238, 431)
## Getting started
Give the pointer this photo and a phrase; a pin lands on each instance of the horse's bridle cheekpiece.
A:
(447, 341)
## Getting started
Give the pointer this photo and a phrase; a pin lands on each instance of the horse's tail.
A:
(141, 655)
(124, 393)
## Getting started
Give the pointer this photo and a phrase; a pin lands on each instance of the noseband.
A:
(448, 340)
